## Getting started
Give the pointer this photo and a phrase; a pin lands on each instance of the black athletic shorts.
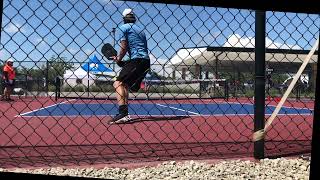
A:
(134, 72)
(5, 84)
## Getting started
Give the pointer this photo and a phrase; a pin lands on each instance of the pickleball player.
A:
(134, 42)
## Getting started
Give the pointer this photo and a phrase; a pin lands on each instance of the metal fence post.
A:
(1, 12)
(315, 157)
(259, 91)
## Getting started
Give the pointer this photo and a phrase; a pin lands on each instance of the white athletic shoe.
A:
(121, 118)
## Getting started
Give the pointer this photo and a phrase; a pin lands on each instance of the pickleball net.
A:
(149, 89)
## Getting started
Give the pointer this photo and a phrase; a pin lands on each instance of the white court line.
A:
(166, 115)
(102, 116)
(180, 109)
(19, 115)
(269, 105)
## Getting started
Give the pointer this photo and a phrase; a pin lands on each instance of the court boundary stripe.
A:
(171, 107)
(289, 107)
(166, 115)
(23, 114)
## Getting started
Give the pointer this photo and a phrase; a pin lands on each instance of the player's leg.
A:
(4, 95)
(121, 88)
(130, 77)
(10, 89)
(122, 98)
(120, 92)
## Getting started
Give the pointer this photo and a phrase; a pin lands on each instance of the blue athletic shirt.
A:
(136, 39)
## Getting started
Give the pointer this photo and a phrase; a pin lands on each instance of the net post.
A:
(226, 90)
(26, 85)
(47, 78)
(259, 91)
(315, 156)
(57, 87)
(56, 91)
(201, 88)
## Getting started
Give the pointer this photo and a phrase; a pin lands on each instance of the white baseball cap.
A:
(127, 11)
(10, 60)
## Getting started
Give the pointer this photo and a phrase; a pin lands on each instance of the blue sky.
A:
(39, 29)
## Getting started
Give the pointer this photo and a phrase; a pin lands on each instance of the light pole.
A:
(114, 36)
(114, 42)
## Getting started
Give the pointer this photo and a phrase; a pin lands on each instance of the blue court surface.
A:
(215, 109)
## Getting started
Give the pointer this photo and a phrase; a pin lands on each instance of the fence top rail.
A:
(305, 6)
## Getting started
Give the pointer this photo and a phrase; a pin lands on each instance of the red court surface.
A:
(90, 140)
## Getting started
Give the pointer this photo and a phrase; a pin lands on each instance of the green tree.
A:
(34, 73)
(56, 67)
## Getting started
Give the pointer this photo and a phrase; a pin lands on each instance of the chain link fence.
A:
(196, 102)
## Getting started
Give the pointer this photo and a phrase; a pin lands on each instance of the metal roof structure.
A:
(229, 58)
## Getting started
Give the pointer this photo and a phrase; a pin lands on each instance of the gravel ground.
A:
(281, 168)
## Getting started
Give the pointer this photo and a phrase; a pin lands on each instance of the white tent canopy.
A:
(79, 73)
(94, 66)
(88, 72)
(72, 78)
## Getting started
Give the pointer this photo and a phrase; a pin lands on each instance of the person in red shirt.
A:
(8, 77)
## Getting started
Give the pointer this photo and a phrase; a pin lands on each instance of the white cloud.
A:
(41, 41)
(236, 40)
(38, 40)
(216, 34)
(158, 65)
(13, 28)
(88, 51)
(104, 1)
(111, 1)
(72, 50)
(155, 60)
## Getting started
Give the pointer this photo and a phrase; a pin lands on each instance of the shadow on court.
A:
(154, 118)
